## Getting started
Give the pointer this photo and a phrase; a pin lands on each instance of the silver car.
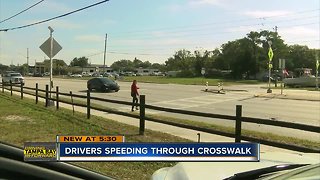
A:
(14, 78)
(272, 165)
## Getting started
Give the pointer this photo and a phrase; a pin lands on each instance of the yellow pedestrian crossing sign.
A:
(270, 54)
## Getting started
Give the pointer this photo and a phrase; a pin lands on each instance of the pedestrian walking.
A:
(134, 95)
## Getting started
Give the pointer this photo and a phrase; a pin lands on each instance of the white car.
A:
(13, 77)
(76, 75)
(272, 165)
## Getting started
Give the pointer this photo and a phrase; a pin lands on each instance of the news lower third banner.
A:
(158, 152)
(40, 151)
(114, 148)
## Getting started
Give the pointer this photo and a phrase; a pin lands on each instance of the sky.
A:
(149, 30)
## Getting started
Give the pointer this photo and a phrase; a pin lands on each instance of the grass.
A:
(244, 132)
(176, 80)
(22, 120)
(187, 81)
(249, 133)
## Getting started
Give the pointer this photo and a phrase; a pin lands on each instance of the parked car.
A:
(13, 77)
(272, 165)
(96, 75)
(86, 74)
(76, 75)
(46, 74)
(107, 74)
(37, 75)
(102, 84)
(273, 77)
(115, 74)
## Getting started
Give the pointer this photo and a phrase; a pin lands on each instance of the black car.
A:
(102, 84)
(13, 166)
(38, 75)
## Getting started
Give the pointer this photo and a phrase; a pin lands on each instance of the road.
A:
(191, 97)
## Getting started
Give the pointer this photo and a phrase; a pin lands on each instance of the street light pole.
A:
(105, 52)
(51, 47)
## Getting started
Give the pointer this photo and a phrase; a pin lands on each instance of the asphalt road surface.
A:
(191, 97)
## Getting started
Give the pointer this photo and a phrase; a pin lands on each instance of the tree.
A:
(82, 62)
(181, 60)
(146, 64)
(123, 65)
(201, 60)
(3, 68)
(238, 57)
(300, 57)
(137, 63)
(58, 66)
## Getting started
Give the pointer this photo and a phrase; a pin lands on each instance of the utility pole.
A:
(276, 29)
(105, 53)
(27, 61)
(28, 56)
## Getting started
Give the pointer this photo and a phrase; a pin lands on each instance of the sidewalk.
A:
(176, 131)
(291, 94)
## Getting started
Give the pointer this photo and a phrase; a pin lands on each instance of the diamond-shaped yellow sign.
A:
(270, 54)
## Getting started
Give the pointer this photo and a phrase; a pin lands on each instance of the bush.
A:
(186, 73)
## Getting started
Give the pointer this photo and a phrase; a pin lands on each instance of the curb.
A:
(284, 96)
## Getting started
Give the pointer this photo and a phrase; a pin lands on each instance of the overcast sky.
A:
(149, 29)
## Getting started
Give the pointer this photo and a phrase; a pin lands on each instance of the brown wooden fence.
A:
(237, 118)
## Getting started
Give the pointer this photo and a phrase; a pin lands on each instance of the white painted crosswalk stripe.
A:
(186, 103)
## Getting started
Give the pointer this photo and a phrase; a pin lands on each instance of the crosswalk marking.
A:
(191, 102)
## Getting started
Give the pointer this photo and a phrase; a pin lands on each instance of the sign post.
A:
(203, 71)
(50, 47)
(282, 66)
(270, 54)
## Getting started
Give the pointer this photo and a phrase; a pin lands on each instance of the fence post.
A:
(72, 102)
(36, 93)
(142, 114)
(88, 104)
(57, 97)
(2, 87)
(21, 90)
(238, 123)
(47, 95)
(11, 87)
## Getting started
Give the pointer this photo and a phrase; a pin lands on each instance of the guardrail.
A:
(238, 118)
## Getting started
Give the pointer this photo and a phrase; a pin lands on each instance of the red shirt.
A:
(134, 89)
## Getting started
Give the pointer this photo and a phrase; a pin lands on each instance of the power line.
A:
(21, 11)
(215, 33)
(292, 42)
(40, 22)
(166, 33)
(125, 53)
(142, 54)
(222, 22)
